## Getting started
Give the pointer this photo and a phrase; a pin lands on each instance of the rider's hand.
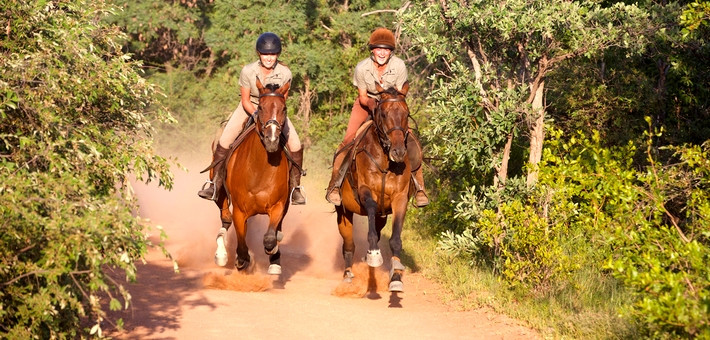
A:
(371, 104)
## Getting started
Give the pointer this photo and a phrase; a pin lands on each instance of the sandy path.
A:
(298, 304)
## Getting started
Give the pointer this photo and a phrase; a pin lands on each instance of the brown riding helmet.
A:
(382, 38)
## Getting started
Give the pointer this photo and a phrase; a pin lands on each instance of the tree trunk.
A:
(537, 134)
(304, 107)
(502, 170)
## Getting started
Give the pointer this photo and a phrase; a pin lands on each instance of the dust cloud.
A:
(311, 245)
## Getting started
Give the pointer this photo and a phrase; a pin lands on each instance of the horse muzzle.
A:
(398, 152)
(271, 133)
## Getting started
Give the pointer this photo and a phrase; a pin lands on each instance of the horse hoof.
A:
(272, 251)
(348, 276)
(242, 265)
(279, 236)
(396, 286)
(274, 269)
(374, 258)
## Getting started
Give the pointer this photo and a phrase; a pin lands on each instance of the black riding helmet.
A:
(268, 43)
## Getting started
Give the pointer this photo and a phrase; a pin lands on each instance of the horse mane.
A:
(392, 91)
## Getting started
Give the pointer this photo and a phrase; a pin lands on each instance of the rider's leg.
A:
(414, 150)
(294, 145)
(231, 130)
(234, 126)
(358, 115)
(218, 159)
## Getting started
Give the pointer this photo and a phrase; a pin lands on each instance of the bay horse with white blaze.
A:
(256, 181)
(378, 183)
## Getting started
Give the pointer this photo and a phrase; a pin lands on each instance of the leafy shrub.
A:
(664, 256)
(593, 209)
(74, 124)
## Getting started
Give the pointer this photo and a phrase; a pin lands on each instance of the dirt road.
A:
(307, 301)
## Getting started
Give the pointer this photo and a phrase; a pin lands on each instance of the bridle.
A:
(271, 121)
(384, 135)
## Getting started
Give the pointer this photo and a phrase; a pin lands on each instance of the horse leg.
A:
(240, 224)
(271, 244)
(220, 256)
(374, 256)
(399, 210)
(345, 227)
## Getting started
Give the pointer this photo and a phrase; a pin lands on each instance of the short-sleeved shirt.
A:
(365, 75)
(280, 75)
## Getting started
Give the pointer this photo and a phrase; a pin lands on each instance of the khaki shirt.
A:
(365, 75)
(280, 75)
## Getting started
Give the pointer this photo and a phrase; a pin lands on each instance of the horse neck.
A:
(251, 152)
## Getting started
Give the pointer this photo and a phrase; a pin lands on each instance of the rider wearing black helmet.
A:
(270, 71)
(268, 43)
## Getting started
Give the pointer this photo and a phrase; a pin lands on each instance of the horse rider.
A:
(270, 71)
(388, 70)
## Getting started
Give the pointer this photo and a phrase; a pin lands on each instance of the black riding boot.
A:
(218, 159)
(297, 197)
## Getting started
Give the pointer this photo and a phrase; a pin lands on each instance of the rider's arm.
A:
(246, 102)
(365, 100)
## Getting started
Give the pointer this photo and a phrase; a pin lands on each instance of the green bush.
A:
(663, 254)
(74, 124)
(593, 210)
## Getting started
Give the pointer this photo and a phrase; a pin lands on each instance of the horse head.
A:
(271, 114)
(391, 118)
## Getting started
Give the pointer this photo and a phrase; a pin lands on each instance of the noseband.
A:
(384, 135)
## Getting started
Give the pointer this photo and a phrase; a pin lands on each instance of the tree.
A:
(498, 54)
(74, 124)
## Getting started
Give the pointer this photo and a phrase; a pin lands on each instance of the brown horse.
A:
(378, 183)
(257, 180)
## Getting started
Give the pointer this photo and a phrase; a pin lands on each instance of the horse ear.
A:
(378, 87)
(405, 88)
(284, 89)
(259, 86)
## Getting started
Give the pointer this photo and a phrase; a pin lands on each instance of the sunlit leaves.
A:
(75, 124)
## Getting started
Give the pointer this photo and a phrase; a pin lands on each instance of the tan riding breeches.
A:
(236, 122)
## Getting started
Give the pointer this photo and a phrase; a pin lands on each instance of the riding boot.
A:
(414, 150)
(297, 197)
(420, 197)
(218, 171)
(332, 193)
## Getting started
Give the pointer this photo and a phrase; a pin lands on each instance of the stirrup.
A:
(332, 190)
(206, 186)
(416, 204)
(301, 189)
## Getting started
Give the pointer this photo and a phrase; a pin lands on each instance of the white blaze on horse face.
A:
(273, 130)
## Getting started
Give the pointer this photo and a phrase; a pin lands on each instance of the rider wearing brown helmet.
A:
(387, 70)
(269, 71)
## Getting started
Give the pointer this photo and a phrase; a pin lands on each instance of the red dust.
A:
(366, 280)
(237, 281)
